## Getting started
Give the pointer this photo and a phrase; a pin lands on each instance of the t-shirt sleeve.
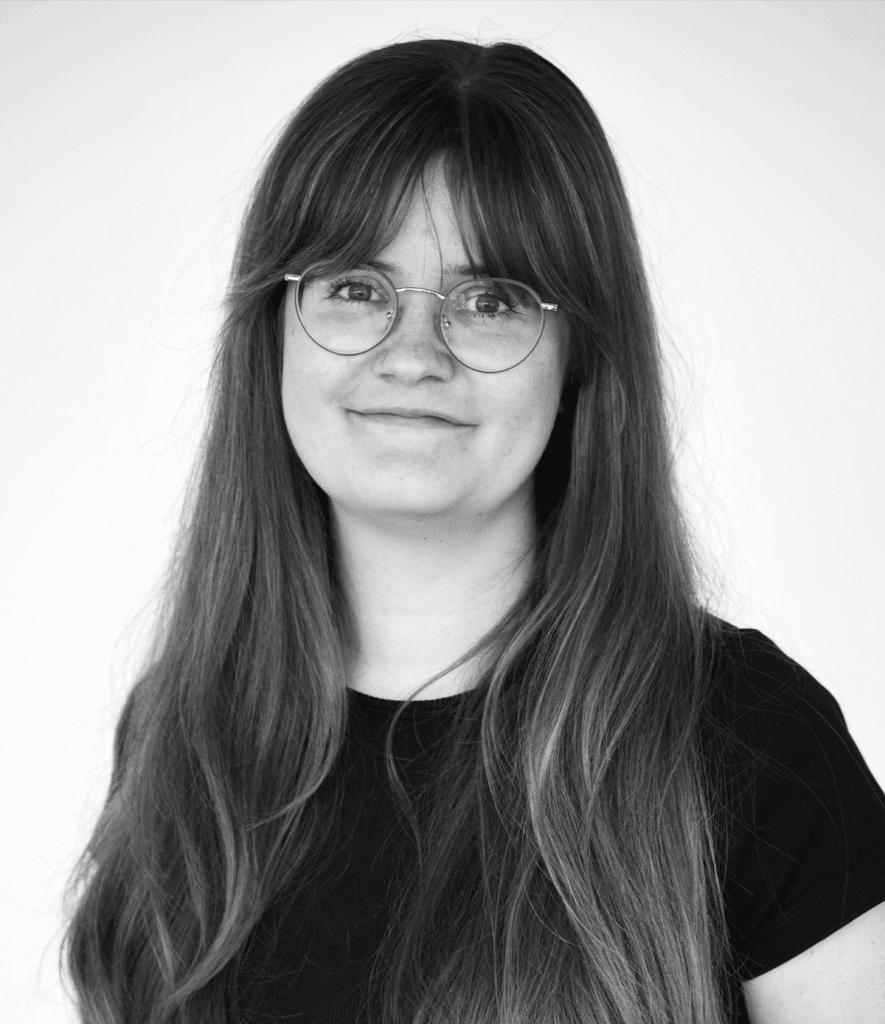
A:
(807, 854)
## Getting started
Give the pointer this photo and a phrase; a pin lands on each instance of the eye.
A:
(490, 299)
(489, 303)
(359, 290)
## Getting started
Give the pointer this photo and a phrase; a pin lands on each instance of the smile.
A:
(391, 422)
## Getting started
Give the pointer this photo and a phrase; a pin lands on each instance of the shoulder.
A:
(752, 672)
(778, 729)
(799, 786)
(804, 876)
(767, 711)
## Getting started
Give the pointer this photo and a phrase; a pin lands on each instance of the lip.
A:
(399, 421)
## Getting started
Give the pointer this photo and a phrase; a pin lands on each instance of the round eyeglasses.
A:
(489, 324)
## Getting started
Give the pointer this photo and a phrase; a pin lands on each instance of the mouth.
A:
(396, 422)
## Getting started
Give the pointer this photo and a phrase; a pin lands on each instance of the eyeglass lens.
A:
(489, 324)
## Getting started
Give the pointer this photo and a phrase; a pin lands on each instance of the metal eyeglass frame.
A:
(544, 307)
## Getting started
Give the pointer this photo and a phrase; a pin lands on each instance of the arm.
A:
(840, 980)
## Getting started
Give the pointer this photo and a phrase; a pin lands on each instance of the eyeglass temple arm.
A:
(297, 277)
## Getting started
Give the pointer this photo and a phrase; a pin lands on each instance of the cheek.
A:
(293, 399)
(523, 435)
(302, 389)
(541, 405)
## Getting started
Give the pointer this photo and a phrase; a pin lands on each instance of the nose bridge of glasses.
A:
(429, 291)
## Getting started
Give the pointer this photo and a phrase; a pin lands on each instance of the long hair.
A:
(567, 861)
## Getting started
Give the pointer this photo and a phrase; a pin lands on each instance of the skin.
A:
(429, 525)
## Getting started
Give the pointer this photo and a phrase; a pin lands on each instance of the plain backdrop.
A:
(750, 136)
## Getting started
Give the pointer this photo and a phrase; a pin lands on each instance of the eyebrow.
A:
(460, 269)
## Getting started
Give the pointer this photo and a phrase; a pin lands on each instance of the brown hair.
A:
(573, 813)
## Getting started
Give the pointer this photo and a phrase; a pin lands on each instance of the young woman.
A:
(436, 726)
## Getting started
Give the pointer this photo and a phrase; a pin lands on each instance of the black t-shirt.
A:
(805, 855)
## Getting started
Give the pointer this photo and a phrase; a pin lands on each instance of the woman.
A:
(436, 726)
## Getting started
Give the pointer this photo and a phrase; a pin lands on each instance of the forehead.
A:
(449, 269)
(429, 217)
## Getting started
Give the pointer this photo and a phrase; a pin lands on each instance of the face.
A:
(406, 472)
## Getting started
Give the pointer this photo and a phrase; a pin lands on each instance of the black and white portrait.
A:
(442, 537)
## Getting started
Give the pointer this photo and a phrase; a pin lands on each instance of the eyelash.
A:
(336, 286)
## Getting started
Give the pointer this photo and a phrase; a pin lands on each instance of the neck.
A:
(422, 597)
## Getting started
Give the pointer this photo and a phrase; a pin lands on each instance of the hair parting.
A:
(568, 847)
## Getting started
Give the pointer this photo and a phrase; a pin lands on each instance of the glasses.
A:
(489, 324)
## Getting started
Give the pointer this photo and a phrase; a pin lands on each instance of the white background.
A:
(751, 138)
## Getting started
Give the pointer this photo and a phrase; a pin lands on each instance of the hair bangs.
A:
(514, 192)
(541, 892)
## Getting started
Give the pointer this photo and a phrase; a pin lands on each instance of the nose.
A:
(417, 323)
